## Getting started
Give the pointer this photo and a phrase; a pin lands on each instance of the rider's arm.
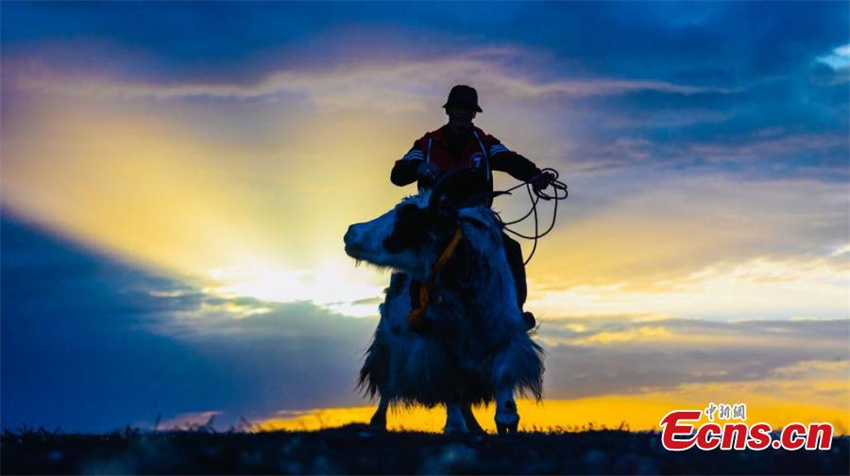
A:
(406, 169)
(405, 172)
(506, 160)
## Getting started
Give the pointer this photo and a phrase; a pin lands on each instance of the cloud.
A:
(675, 244)
(188, 421)
(772, 147)
(75, 320)
(650, 330)
(838, 59)
(592, 355)
(767, 152)
(393, 86)
(642, 334)
(667, 39)
(820, 368)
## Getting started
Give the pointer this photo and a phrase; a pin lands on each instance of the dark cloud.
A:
(70, 353)
(757, 61)
(705, 42)
(782, 127)
(85, 346)
(594, 355)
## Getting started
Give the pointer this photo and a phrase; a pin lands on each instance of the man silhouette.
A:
(460, 144)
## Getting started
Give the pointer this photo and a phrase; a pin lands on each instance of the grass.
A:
(355, 449)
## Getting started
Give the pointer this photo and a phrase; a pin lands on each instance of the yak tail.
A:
(375, 370)
(529, 369)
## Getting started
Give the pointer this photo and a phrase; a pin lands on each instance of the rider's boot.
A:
(515, 261)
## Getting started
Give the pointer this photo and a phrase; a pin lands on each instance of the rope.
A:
(559, 193)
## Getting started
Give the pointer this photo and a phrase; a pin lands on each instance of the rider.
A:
(460, 144)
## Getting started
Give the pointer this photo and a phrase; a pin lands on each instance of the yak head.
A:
(411, 236)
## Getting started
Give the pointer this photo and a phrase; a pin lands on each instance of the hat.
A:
(463, 96)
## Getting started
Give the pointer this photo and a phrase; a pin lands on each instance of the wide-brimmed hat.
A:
(463, 96)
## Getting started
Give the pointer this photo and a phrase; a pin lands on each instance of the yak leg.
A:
(469, 419)
(379, 419)
(454, 419)
(507, 418)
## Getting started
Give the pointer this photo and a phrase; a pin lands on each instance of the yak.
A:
(475, 348)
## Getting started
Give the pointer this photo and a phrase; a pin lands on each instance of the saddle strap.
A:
(415, 317)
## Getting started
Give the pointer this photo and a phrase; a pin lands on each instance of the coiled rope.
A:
(560, 192)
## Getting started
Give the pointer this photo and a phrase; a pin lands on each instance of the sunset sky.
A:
(177, 178)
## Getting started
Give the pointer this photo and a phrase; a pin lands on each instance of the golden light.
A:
(632, 412)
(144, 189)
(338, 288)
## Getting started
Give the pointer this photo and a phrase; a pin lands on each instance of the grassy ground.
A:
(356, 450)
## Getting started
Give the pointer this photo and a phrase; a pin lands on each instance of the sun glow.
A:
(147, 189)
(335, 287)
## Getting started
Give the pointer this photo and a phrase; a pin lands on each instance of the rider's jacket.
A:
(448, 152)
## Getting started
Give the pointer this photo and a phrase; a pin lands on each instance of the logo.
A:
(732, 432)
(476, 159)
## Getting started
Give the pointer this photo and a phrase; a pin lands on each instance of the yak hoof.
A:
(378, 423)
(507, 422)
(475, 428)
(471, 423)
(455, 430)
(507, 429)
(455, 426)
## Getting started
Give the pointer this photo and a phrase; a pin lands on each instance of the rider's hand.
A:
(428, 172)
(542, 180)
